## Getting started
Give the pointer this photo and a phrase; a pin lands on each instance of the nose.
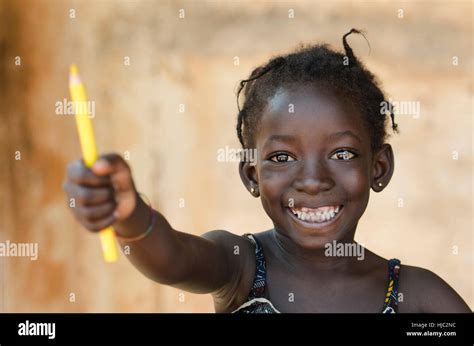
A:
(313, 178)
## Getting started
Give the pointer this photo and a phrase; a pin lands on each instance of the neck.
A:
(314, 259)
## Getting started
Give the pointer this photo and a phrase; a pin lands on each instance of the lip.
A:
(316, 226)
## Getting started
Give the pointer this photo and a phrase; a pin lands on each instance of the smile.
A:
(316, 217)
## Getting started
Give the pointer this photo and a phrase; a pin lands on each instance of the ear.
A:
(382, 168)
(248, 174)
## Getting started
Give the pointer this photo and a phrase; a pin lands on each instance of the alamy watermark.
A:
(344, 250)
(228, 154)
(28, 328)
(9, 249)
(398, 107)
(66, 107)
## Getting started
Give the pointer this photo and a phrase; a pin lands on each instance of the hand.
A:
(103, 194)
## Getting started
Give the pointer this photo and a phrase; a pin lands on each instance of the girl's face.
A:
(315, 166)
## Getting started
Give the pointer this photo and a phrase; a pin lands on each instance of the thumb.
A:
(102, 167)
(120, 174)
(118, 170)
(109, 164)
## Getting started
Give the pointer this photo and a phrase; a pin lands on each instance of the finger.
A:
(90, 196)
(118, 170)
(97, 212)
(99, 224)
(109, 164)
(78, 173)
(126, 203)
(122, 183)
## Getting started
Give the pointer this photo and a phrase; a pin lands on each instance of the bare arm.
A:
(192, 263)
(106, 195)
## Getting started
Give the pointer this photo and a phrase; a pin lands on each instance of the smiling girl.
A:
(314, 119)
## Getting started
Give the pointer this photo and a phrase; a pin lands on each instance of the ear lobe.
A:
(248, 174)
(383, 168)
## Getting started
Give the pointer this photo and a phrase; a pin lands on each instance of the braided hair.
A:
(319, 65)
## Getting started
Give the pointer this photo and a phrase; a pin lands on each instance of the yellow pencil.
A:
(89, 150)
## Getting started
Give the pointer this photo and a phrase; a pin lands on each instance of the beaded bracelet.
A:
(148, 230)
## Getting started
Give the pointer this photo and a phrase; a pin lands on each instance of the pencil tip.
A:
(74, 78)
(73, 70)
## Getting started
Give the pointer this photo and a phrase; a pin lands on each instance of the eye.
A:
(344, 155)
(281, 157)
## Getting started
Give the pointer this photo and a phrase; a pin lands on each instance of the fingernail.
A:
(100, 163)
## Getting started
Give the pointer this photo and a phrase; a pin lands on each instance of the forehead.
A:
(310, 111)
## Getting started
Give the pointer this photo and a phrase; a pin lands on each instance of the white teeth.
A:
(317, 216)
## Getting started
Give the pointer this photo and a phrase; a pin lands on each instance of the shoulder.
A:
(238, 242)
(424, 291)
(228, 240)
(240, 255)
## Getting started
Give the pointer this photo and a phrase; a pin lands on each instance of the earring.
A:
(379, 184)
(254, 191)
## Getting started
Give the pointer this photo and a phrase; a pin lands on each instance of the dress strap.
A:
(260, 280)
(391, 298)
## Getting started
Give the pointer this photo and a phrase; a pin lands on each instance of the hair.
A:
(318, 65)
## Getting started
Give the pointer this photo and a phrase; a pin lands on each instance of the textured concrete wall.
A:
(190, 61)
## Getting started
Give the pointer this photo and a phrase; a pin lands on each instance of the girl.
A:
(314, 119)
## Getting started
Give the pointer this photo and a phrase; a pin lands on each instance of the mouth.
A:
(319, 217)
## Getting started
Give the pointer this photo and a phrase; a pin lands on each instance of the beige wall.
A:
(173, 154)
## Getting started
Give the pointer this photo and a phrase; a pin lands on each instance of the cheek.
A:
(356, 184)
(271, 185)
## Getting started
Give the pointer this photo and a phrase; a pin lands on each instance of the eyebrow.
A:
(339, 134)
(282, 138)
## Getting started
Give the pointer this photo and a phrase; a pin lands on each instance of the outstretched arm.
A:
(105, 195)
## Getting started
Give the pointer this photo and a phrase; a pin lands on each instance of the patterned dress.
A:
(258, 303)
